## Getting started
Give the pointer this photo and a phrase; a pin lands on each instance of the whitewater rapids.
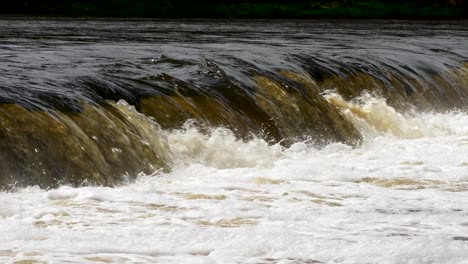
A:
(400, 197)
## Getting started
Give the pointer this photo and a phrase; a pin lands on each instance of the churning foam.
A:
(220, 148)
(401, 197)
(373, 117)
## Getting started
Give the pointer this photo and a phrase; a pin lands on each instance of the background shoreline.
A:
(235, 9)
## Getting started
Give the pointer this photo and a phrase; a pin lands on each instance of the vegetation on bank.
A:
(240, 8)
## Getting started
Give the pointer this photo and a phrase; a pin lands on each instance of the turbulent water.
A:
(233, 141)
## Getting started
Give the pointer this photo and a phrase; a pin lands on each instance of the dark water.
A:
(60, 81)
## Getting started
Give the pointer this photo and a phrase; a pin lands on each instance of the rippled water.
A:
(233, 141)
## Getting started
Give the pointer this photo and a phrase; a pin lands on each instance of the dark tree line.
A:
(239, 8)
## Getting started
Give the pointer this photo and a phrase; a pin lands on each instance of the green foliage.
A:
(242, 8)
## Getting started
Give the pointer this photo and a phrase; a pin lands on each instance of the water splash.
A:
(373, 117)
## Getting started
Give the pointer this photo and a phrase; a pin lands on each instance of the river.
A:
(233, 141)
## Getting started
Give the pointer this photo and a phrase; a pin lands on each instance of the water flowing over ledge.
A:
(86, 110)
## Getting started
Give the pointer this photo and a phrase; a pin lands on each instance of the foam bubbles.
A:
(374, 117)
(220, 148)
(394, 199)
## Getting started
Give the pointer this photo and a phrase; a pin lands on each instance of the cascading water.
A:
(303, 142)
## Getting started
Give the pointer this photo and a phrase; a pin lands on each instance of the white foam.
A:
(374, 117)
(220, 148)
(395, 199)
